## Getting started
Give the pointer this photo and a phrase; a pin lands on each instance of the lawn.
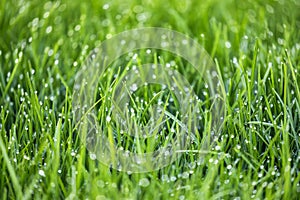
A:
(245, 146)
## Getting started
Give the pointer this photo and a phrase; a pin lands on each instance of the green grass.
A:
(255, 45)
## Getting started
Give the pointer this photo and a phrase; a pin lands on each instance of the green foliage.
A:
(255, 45)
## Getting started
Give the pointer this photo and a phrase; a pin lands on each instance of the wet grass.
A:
(255, 45)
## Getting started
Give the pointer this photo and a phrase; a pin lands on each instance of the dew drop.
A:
(93, 156)
(42, 173)
(105, 6)
(227, 44)
(144, 182)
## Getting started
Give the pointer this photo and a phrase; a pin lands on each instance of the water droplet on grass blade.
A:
(93, 156)
(227, 44)
(144, 182)
(108, 118)
(134, 87)
(42, 173)
(105, 6)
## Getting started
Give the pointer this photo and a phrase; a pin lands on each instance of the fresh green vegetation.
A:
(254, 43)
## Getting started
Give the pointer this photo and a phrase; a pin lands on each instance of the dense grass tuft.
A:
(254, 44)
